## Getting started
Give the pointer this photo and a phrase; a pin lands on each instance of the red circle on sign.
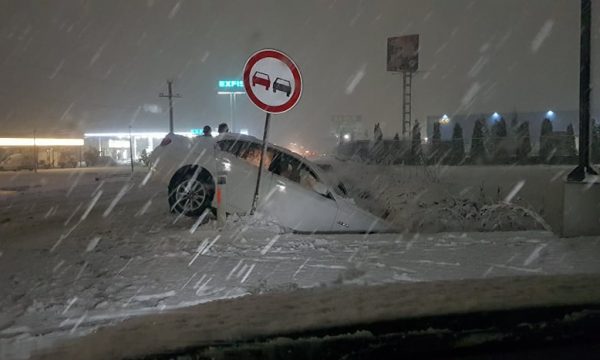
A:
(266, 53)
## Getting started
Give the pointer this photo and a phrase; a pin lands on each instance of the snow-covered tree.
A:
(377, 133)
(523, 142)
(497, 141)
(547, 146)
(478, 152)
(377, 151)
(436, 141)
(415, 146)
(457, 149)
(514, 123)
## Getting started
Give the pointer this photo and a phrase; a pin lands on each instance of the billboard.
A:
(403, 53)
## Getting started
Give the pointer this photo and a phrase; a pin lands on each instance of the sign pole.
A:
(131, 149)
(274, 84)
(231, 110)
(260, 164)
(233, 113)
(407, 104)
(403, 56)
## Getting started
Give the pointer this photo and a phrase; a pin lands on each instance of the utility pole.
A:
(170, 96)
(584, 167)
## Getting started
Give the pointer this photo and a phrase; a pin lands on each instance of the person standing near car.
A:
(223, 128)
(207, 131)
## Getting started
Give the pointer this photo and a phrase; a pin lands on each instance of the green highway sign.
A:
(231, 84)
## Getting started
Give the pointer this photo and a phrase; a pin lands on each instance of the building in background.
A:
(117, 145)
(40, 149)
(346, 128)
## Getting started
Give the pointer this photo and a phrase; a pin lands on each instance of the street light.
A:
(585, 43)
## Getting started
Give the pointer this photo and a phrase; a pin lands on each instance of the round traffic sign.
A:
(272, 81)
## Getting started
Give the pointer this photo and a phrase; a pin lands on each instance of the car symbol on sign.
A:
(283, 86)
(261, 78)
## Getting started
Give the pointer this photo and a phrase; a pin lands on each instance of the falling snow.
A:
(88, 247)
(542, 35)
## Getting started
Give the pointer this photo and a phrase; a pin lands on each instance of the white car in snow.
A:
(292, 191)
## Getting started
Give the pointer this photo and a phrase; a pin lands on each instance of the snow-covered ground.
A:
(84, 248)
(457, 198)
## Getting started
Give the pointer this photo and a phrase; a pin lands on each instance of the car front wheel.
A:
(191, 192)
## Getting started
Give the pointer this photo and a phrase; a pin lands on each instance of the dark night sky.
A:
(89, 65)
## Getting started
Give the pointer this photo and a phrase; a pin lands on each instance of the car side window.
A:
(251, 153)
(231, 146)
(307, 178)
(225, 145)
(286, 166)
(293, 169)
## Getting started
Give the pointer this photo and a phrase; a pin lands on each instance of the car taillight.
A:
(166, 141)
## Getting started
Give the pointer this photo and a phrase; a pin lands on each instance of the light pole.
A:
(584, 167)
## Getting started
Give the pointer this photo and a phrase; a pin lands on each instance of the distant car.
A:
(16, 162)
(292, 190)
(261, 78)
(282, 85)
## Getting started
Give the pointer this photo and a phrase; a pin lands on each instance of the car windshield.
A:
(449, 149)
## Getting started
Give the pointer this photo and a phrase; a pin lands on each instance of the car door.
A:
(293, 200)
(354, 219)
(243, 158)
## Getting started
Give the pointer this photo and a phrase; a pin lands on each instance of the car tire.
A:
(191, 191)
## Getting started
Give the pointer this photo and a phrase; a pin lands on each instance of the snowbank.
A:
(441, 198)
